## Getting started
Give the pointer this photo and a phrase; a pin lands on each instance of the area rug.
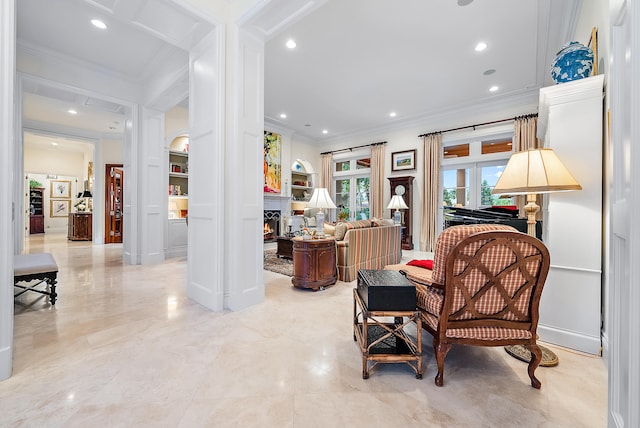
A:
(276, 264)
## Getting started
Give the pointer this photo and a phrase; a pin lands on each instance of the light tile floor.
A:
(125, 347)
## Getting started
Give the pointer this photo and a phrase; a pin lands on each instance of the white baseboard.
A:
(570, 339)
(171, 253)
(6, 363)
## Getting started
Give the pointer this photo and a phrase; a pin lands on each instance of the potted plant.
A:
(343, 215)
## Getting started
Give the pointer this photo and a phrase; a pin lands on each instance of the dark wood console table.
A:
(80, 227)
(314, 263)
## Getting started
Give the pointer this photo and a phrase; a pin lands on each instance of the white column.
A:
(7, 213)
(244, 173)
(152, 193)
(207, 185)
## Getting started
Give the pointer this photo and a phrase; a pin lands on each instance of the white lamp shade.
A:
(535, 171)
(397, 203)
(320, 199)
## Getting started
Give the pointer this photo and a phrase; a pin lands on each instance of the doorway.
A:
(114, 189)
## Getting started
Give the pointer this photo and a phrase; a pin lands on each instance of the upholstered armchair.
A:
(484, 290)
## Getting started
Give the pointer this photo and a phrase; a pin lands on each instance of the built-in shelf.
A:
(178, 199)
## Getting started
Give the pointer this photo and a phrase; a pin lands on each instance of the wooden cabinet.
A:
(314, 263)
(570, 121)
(80, 227)
(36, 210)
(403, 186)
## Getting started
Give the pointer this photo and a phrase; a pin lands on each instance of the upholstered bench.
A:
(39, 266)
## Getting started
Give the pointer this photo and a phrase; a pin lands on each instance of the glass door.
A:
(355, 203)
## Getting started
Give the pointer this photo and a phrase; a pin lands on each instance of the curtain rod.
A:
(481, 124)
(351, 148)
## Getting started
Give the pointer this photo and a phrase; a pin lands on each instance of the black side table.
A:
(285, 247)
(385, 342)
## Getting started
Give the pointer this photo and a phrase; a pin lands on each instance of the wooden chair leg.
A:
(536, 357)
(441, 351)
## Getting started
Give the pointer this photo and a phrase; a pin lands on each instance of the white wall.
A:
(407, 137)
(595, 13)
(112, 151)
(54, 162)
(176, 120)
(52, 224)
(39, 164)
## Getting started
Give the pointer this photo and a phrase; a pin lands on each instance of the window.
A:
(455, 183)
(470, 172)
(351, 178)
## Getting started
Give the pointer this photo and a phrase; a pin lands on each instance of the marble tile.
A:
(124, 346)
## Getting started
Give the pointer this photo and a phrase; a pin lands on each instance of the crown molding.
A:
(522, 102)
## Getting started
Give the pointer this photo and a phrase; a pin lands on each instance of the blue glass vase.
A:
(573, 62)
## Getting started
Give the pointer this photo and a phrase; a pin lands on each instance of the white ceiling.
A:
(355, 61)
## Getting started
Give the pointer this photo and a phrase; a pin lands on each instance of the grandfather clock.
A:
(403, 186)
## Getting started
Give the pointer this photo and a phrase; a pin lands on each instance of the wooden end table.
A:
(384, 342)
(314, 263)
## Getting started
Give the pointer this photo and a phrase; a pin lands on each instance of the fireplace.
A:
(271, 228)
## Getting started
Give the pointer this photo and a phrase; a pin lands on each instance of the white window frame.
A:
(475, 161)
(353, 174)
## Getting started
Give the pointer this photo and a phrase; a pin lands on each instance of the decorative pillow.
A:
(387, 222)
(329, 229)
(427, 264)
(377, 222)
(340, 231)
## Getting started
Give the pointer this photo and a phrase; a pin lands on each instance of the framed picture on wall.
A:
(59, 207)
(60, 189)
(403, 161)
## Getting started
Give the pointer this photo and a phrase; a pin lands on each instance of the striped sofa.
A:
(366, 244)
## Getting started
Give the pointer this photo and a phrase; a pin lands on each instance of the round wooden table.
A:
(314, 263)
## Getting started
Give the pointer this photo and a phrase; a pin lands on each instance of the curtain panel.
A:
(376, 188)
(432, 147)
(326, 172)
(524, 138)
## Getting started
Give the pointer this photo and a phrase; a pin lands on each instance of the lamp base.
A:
(549, 358)
(320, 224)
(531, 209)
(396, 217)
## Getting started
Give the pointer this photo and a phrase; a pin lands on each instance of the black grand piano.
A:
(454, 216)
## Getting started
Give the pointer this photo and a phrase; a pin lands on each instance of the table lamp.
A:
(320, 199)
(532, 172)
(397, 203)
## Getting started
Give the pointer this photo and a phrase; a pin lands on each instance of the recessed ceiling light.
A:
(489, 71)
(493, 88)
(283, 115)
(72, 111)
(324, 131)
(464, 2)
(481, 46)
(392, 114)
(307, 125)
(53, 143)
(99, 24)
(291, 44)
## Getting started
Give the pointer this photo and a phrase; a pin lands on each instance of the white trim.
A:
(570, 339)
(7, 188)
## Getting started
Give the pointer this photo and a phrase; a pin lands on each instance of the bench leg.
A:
(52, 294)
